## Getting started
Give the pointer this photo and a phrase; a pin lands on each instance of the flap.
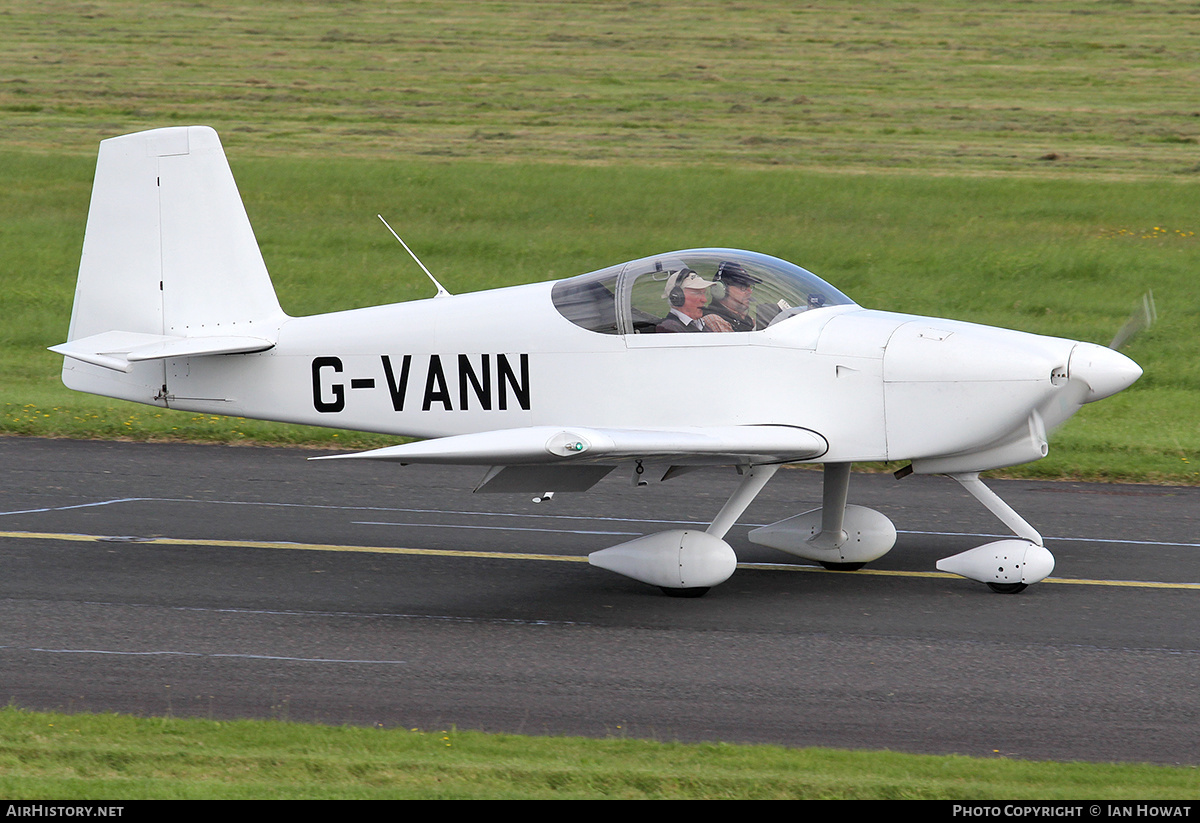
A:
(578, 477)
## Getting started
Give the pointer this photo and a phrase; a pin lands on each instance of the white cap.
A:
(687, 279)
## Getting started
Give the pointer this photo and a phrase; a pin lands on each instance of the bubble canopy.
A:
(635, 297)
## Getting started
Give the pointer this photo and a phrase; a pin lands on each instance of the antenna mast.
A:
(441, 290)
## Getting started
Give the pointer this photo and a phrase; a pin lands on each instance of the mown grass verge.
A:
(108, 757)
(1059, 88)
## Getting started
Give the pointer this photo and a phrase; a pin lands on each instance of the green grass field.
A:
(899, 150)
(110, 757)
(1031, 165)
(1034, 165)
(931, 87)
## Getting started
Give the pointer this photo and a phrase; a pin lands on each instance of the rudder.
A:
(170, 264)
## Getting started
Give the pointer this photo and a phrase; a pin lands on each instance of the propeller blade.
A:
(1143, 317)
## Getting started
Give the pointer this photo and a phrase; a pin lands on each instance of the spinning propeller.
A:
(1143, 317)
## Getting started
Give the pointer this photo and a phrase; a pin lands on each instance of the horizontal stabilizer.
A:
(118, 350)
(554, 445)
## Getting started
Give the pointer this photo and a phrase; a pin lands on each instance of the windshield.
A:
(710, 290)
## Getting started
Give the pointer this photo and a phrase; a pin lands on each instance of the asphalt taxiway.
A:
(247, 582)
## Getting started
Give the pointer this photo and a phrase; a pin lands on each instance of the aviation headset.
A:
(731, 272)
(675, 291)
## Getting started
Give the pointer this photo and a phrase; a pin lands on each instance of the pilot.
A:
(687, 293)
(731, 311)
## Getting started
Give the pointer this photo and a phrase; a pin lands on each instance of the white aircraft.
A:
(550, 386)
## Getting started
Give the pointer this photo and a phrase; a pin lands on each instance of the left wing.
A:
(553, 445)
(575, 458)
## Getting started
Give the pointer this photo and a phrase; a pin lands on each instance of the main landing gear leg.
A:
(840, 537)
(834, 493)
(754, 478)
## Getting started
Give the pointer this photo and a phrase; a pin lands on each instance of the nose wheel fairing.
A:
(1006, 566)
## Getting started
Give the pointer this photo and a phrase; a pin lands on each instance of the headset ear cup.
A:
(718, 291)
(676, 296)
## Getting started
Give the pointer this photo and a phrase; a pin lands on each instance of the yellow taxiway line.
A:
(562, 558)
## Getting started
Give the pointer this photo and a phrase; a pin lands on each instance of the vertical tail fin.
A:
(170, 264)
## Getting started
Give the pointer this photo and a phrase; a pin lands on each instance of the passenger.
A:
(731, 312)
(687, 292)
